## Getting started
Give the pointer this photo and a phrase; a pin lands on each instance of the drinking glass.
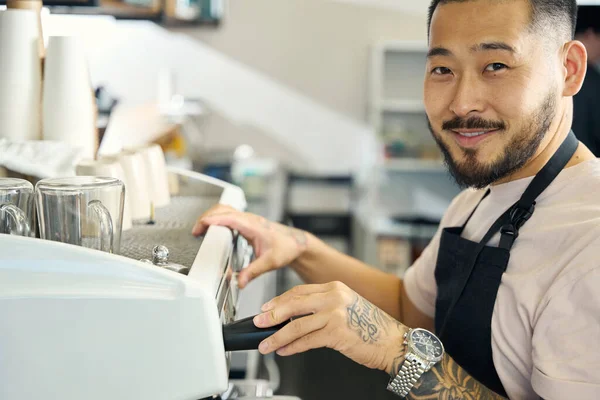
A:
(16, 207)
(83, 210)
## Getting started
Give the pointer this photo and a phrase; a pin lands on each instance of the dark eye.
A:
(441, 71)
(493, 67)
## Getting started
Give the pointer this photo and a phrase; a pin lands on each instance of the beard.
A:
(472, 173)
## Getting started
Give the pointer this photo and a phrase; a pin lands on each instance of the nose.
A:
(468, 97)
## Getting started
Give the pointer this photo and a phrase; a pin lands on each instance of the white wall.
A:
(250, 107)
(317, 47)
(413, 6)
(292, 70)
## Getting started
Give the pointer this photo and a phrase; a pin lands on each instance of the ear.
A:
(574, 66)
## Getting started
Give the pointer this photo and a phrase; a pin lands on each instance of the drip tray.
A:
(172, 228)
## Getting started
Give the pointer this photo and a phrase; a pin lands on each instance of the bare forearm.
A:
(321, 263)
(447, 380)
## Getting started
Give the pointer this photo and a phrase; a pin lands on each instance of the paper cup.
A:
(69, 109)
(138, 184)
(156, 167)
(20, 76)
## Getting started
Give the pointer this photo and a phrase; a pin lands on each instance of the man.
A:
(510, 282)
(586, 118)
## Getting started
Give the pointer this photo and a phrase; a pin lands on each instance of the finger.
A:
(200, 228)
(300, 290)
(233, 220)
(292, 332)
(256, 268)
(296, 306)
(314, 340)
(217, 209)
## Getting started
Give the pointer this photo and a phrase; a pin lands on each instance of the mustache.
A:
(472, 123)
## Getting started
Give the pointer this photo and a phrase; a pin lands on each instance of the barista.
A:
(509, 284)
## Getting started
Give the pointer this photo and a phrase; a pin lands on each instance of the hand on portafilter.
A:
(275, 245)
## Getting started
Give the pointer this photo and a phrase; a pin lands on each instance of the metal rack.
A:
(172, 228)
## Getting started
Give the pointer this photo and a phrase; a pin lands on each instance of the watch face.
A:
(427, 344)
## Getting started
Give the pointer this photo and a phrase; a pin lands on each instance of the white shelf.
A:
(403, 106)
(396, 89)
(414, 165)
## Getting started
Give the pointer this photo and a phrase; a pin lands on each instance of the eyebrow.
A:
(438, 51)
(486, 46)
(493, 46)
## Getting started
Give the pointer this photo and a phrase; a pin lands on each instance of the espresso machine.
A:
(154, 322)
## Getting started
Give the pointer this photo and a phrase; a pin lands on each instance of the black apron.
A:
(468, 275)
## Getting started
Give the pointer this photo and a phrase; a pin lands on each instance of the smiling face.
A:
(491, 88)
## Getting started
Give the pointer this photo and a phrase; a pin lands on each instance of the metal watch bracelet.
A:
(410, 372)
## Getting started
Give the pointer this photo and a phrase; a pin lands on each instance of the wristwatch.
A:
(423, 351)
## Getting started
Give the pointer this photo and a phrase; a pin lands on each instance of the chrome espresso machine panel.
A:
(83, 324)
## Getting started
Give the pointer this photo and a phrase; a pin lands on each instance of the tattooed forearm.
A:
(448, 381)
(368, 321)
(361, 320)
(299, 236)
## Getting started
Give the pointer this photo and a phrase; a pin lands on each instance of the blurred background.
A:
(313, 107)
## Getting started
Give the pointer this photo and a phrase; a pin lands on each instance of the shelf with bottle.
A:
(411, 151)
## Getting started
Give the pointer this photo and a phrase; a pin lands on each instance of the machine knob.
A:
(160, 258)
(243, 254)
(160, 255)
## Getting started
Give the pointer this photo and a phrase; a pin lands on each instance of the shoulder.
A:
(578, 186)
(568, 217)
(568, 229)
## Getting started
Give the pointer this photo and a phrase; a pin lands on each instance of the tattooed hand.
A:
(274, 245)
(336, 317)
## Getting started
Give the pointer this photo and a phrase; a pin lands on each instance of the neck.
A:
(547, 150)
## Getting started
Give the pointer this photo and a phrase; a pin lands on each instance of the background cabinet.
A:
(396, 109)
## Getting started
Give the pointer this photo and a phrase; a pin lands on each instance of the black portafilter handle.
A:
(244, 335)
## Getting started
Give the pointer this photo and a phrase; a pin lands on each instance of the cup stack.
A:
(138, 185)
(156, 169)
(69, 110)
(35, 6)
(20, 76)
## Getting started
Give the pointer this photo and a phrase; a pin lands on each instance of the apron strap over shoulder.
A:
(523, 209)
(516, 216)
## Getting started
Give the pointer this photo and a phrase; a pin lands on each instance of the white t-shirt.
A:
(546, 320)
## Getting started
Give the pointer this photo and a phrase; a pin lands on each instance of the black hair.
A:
(588, 17)
(544, 13)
